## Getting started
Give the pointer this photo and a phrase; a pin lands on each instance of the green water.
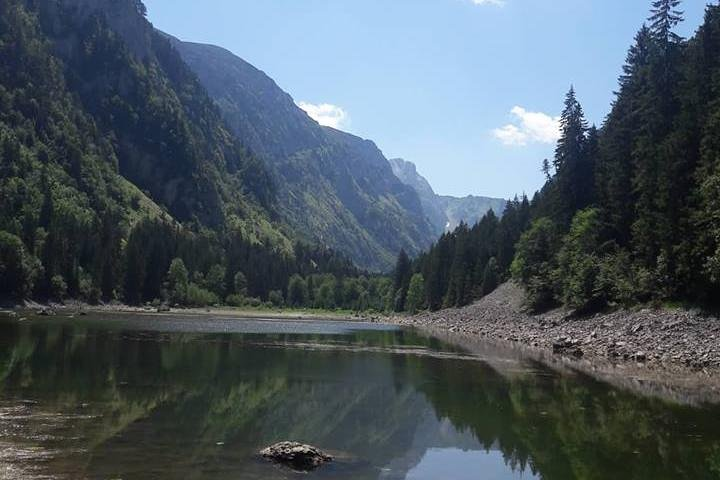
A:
(148, 398)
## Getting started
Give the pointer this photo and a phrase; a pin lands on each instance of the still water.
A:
(123, 397)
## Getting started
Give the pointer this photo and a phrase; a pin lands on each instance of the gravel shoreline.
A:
(668, 342)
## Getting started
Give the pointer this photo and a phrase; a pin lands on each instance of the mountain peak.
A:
(445, 212)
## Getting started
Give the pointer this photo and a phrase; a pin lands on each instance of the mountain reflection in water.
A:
(141, 397)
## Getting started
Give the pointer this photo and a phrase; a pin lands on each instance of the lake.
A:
(159, 397)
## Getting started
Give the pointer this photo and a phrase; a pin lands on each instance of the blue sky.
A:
(466, 89)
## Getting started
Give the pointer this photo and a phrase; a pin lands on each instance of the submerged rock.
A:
(296, 455)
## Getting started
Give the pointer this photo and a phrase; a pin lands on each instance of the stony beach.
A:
(666, 340)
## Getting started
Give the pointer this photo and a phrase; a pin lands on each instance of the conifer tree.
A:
(570, 159)
(615, 166)
(664, 17)
(458, 290)
(401, 279)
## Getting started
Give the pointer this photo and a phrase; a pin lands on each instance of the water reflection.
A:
(98, 399)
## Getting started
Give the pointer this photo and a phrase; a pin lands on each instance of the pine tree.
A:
(491, 277)
(459, 289)
(546, 170)
(615, 167)
(401, 279)
(705, 243)
(659, 156)
(664, 17)
(570, 159)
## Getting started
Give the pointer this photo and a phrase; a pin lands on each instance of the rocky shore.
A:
(664, 340)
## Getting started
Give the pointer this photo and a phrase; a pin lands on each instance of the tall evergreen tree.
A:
(658, 153)
(614, 168)
(401, 279)
(664, 17)
(571, 162)
(459, 290)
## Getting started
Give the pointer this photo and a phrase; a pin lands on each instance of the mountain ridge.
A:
(445, 212)
(115, 164)
(338, 188)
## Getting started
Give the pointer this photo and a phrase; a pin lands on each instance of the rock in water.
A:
(296, 455)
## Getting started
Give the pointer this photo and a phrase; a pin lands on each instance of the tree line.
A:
(629, 213)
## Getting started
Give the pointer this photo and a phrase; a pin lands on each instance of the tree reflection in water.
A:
(80, 398)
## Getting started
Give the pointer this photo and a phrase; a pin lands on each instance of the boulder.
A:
(296, 455)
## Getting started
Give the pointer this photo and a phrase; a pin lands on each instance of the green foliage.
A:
(571, 188)
(491, 277)
(58, 287)
(79, 123)
(297, 291)
(325, 297)
(275, 297)
(652, 234)
(196, 296)
(87, 290)
(416, 294)
(235, 300)
(401, 280)
(18, 270)
(534, 263)
(253, 302)
(579, 263)
(215, 280)
(454, 268)
(240, 284)
(178, 282)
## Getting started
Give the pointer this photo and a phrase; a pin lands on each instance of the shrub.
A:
(235, 300)
(276, 299)
(534, 263)
(253, 302)
(199, 297)
(579, 264)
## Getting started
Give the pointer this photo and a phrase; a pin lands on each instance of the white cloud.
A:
(530, 127)
(326, 114)
(498, 3)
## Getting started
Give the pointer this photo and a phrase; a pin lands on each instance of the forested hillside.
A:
(114, 161)
(335, 188)
(630, 211)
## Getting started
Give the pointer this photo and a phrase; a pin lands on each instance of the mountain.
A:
(445, 213)
(470, 209)
(114, 160)
(335, 188)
